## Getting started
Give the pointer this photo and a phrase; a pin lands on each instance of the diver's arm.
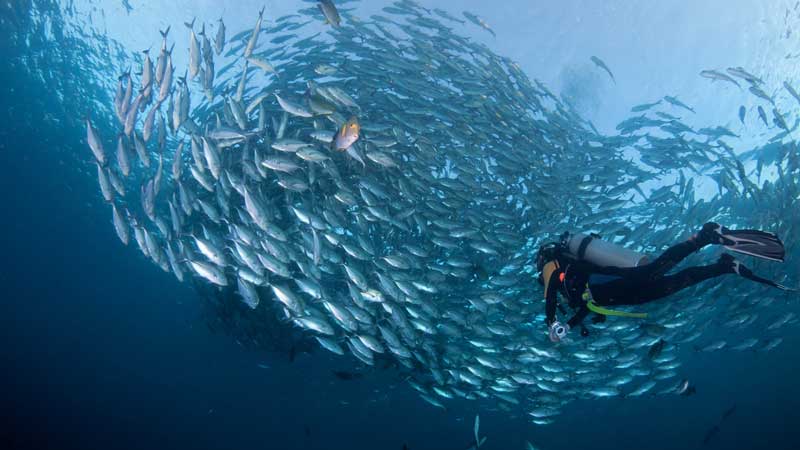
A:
(583, 311)
(551, 286)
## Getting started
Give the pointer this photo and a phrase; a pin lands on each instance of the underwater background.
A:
(100, 349)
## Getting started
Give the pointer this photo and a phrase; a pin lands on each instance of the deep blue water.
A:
(103, 350)
(100, 349)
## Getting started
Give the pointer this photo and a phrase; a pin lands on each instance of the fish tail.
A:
(190, 25)
(165, 32)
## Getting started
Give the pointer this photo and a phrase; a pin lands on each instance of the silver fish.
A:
(251, 44)
(293, 108)
(95, 144)
(328, 9)
(209, 272)
(194, 51)
(219, 40)
(120, 225)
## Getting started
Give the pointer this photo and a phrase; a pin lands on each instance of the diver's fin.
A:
(754, 243)
(751, 276)
(744, 272)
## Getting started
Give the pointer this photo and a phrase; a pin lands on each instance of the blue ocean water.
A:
(100, 349)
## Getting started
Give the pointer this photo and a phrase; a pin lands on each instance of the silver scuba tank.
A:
(589, 247)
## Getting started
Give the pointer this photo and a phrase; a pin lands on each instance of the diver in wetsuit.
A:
(592, 287)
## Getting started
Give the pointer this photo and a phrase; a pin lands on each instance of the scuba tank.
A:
(591, 248)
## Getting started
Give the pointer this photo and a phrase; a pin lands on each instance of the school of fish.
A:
(384, 185)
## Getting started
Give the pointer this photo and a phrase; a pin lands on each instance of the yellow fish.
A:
(347, 135)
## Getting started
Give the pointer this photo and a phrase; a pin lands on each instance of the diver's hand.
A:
(558, 331)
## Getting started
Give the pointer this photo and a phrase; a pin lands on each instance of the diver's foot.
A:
(709, 234)
(732, 265)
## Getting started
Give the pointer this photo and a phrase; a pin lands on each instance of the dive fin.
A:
(739, 269)
(754, 243)
(747, 273)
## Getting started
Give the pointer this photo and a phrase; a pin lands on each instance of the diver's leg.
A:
(630, 292)
(671, 257)
(667, 285)
(678, 252)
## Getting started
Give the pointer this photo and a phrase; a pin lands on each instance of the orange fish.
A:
(347, 135)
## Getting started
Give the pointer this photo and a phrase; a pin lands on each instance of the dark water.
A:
(100, 349)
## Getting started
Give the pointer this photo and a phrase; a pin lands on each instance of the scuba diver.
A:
(593, 274)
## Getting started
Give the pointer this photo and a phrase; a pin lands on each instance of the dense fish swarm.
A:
(384, 185)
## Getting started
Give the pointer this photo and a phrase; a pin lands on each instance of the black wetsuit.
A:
(613, 286)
